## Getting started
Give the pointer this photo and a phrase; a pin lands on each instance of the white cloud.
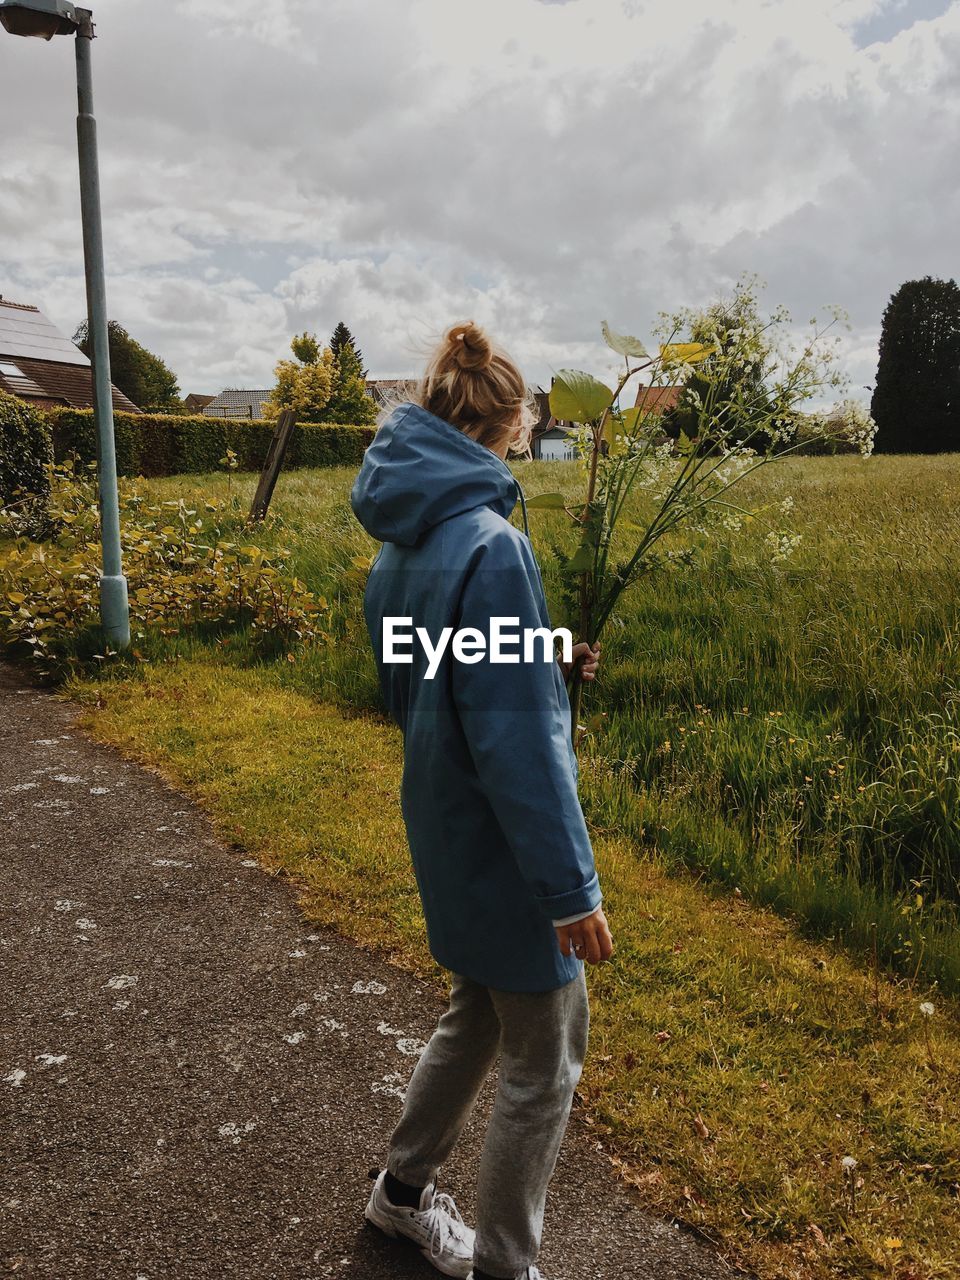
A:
(537, 166)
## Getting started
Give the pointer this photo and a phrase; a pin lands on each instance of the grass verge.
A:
(734, 1065)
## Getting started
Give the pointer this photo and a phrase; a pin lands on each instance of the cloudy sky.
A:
(537, 165)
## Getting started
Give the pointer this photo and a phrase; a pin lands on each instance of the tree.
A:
(139, 374)
(342, 337)
(916, 402)
(736, 376)
(304, 384)
(349, 401)
(306, 348)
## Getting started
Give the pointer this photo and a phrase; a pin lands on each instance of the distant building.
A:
(196, 403)
(658, 400)
(236, 404)
(41, 365)
(380, 390)
(555, 444)
(553, 440)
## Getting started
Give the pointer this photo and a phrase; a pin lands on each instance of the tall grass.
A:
(793, 729)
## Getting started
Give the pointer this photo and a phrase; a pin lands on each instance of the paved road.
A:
(194, 1080)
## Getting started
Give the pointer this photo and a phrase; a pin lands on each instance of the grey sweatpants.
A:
(541, 1038)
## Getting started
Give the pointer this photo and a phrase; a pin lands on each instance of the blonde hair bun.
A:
(473, 384)
(470, 348)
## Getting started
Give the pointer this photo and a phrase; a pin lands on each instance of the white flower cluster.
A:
(648, 463)
(781, 430)
(850, 421)
(782, 544)
(737, 462)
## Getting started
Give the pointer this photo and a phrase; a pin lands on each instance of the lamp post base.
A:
(114, 613)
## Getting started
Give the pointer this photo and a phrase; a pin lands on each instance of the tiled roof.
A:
(382, 389)
(41, 365)
(236, 404)
(47, 383)
(658, 399)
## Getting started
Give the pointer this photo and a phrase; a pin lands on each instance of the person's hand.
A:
(591, 660)
(588, 939)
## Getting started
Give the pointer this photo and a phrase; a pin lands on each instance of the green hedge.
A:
(25, 455)
(167, 444)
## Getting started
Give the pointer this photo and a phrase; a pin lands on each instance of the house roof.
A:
(42, 366)
(53, 386)
(236, 404)
(197, 400)
(25, 331)
(380, 390)
(657, 400)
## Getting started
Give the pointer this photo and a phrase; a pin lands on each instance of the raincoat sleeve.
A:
(516, 720)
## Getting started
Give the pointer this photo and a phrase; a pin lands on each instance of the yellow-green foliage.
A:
(306, 383)
(305, 388)
(180, 570)
(733, 1066)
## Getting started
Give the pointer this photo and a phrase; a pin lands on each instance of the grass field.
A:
(793, 729)
(788, 734)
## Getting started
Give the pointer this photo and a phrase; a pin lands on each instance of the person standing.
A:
(499, 846)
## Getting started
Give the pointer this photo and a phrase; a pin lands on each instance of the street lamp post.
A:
(46, 19)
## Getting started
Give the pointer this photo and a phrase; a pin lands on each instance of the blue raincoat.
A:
(489, 794)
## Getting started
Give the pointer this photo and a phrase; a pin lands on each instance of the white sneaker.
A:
(436, 1227)
(531, 1273)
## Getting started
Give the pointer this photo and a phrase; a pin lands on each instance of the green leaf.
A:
(578, 397)
(581, 561)
(547, 502)
(611, 429)
(622, 343)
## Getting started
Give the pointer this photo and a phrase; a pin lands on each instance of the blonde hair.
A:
(475, 386)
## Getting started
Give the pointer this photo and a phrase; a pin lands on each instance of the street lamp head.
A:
(43, 18)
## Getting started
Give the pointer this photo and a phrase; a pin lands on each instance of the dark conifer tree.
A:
(342, 337)
(916, 402)
(349, 402)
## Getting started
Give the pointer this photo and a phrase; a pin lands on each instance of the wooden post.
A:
(272, 464)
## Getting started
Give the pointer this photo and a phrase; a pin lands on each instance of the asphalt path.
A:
(195, 1080)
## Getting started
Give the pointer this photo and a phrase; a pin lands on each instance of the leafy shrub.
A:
(180, 571)
(329, 445)
(25, 457)
(847, 428)
(169, 444)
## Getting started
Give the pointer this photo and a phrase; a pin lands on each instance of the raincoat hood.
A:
(420, 471)
(498, 841)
